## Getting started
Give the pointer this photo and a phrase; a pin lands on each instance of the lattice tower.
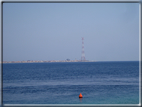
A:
(83, 53)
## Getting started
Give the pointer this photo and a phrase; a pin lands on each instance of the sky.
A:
(53, 31)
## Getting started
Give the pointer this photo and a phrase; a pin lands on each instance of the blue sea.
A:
(61, 83)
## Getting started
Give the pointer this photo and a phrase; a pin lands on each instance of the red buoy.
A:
(80, 95)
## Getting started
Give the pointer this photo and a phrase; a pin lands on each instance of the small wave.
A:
(88, 81)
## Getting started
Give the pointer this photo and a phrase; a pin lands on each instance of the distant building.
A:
(67, 59)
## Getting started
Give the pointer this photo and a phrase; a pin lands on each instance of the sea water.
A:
(61, 83)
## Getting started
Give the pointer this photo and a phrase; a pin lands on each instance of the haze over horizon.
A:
(53, 31)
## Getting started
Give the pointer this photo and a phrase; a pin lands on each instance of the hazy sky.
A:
(53, 31)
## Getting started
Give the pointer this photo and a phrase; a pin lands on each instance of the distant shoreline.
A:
(31, 61)
(52, 61)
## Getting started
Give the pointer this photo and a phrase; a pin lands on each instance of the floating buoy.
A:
(80, 95)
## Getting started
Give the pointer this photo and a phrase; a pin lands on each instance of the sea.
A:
(114, 82)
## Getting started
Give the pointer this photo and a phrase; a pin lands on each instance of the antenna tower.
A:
(83, 54)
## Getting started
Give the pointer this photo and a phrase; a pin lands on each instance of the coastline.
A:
(32, 61)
